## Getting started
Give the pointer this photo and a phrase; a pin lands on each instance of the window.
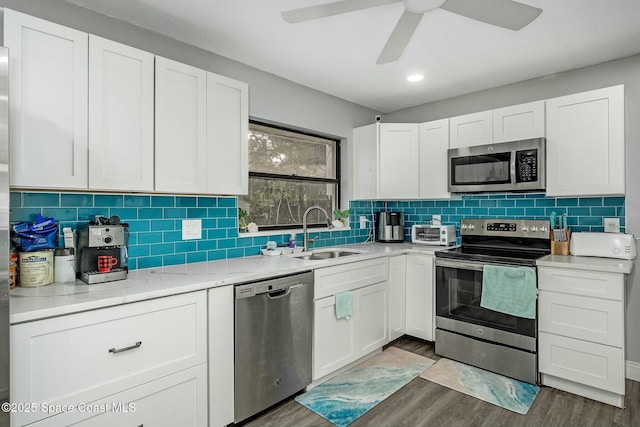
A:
(289, 172)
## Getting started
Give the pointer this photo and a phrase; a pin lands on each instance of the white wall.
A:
(625, 71)
(271, 98)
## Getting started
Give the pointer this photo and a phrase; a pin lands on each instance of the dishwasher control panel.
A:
(278, 285)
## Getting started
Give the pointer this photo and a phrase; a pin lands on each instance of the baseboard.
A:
(633, 370)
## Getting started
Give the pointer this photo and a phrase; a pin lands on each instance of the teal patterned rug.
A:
(345, 398)
(514, 395)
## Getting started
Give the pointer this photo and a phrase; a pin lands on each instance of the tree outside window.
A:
(289, 172)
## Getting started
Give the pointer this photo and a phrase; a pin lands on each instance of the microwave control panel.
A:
(526, 165)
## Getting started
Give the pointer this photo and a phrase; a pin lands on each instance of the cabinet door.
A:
(48, 108)
(372, 317)
(583, 362)
(179, 399)
(227, 135)
(99, 353)
(434, 142)
(585, 143)
(334, 340)
(420, 317)
(524, 121)
(120, 117)
(181, 154)
(591, 319)
(397, 317)
(398, 161)
(471, 129)
(221, 357)
(365, 162)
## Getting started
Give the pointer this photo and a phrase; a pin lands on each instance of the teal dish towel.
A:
(511, 290)
(344, 305)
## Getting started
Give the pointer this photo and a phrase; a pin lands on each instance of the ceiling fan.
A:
(507, 14)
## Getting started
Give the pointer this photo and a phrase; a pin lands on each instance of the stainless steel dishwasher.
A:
(273, 327)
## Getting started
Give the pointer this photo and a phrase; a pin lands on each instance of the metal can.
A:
(13, 269)
(36, 268)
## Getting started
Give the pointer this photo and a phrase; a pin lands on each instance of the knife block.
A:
(560, 247)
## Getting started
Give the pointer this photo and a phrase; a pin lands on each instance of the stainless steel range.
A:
(467, 331)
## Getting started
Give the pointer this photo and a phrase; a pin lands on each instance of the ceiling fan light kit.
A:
(506, 14)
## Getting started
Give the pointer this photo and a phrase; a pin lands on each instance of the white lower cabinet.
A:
(581, 332)
(397, 298)
(96, 355)
(338, 342)
(221, 356)
(419, 296)
(179, 399)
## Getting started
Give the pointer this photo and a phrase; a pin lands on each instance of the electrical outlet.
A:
(363, 221)
(437, 218)
(191, 229)
(611, 225)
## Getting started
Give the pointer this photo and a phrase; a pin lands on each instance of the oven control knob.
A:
(534, 228)
(480, 331)
(543, 229)
(463, 227)
(472, 227)
(525, 228)
(107, 239)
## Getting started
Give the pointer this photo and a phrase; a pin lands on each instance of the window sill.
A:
(289, 231)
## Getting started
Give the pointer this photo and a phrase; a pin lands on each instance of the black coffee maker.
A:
(103, 250)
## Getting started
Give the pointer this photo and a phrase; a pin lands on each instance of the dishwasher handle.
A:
(278, 294)
(283, 292)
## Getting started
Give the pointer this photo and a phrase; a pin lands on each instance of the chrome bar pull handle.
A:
(120, 350)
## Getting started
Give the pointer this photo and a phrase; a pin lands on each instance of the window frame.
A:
(293, 177)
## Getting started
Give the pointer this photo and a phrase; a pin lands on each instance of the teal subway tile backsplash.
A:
(155, 221)
(155, 224)
(584, 213)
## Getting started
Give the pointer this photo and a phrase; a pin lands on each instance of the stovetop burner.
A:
(501, 241)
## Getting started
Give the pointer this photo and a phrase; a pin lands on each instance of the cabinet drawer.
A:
(581, 282)
(87, 356)
(591, 319)
(595, 365)
(346, 277)
(176, 400)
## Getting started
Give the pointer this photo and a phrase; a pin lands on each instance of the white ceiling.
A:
(337, 55)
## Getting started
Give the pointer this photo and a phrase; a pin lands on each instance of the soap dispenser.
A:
(292, 240)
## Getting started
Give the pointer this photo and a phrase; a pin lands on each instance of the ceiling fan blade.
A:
(318, 11)
(502, 13)
(399, 38)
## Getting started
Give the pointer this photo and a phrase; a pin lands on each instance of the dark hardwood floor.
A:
(424, 403)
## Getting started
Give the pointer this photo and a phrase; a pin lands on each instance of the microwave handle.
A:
(513, 165)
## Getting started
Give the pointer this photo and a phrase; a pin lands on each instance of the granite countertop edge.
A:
(57, 299)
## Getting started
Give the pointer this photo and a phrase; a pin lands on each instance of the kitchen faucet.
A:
(306, 239)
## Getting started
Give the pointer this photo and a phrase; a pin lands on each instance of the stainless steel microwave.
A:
(507, 166)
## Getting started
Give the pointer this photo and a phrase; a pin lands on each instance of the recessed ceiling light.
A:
(415, 78)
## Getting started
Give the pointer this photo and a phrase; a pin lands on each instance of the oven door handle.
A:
(461, 265)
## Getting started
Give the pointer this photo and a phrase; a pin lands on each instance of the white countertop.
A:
(28, 304)
(609, 265)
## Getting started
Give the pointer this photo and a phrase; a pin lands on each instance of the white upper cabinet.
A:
(434, 142)
(227, 135)
(48, 113)
(365, 162)
(398, 161)
(523, 121)
(471, 129)
(120, 117)
(585, 143)
(181, 127)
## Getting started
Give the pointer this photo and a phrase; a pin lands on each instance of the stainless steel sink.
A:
(327, 253)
